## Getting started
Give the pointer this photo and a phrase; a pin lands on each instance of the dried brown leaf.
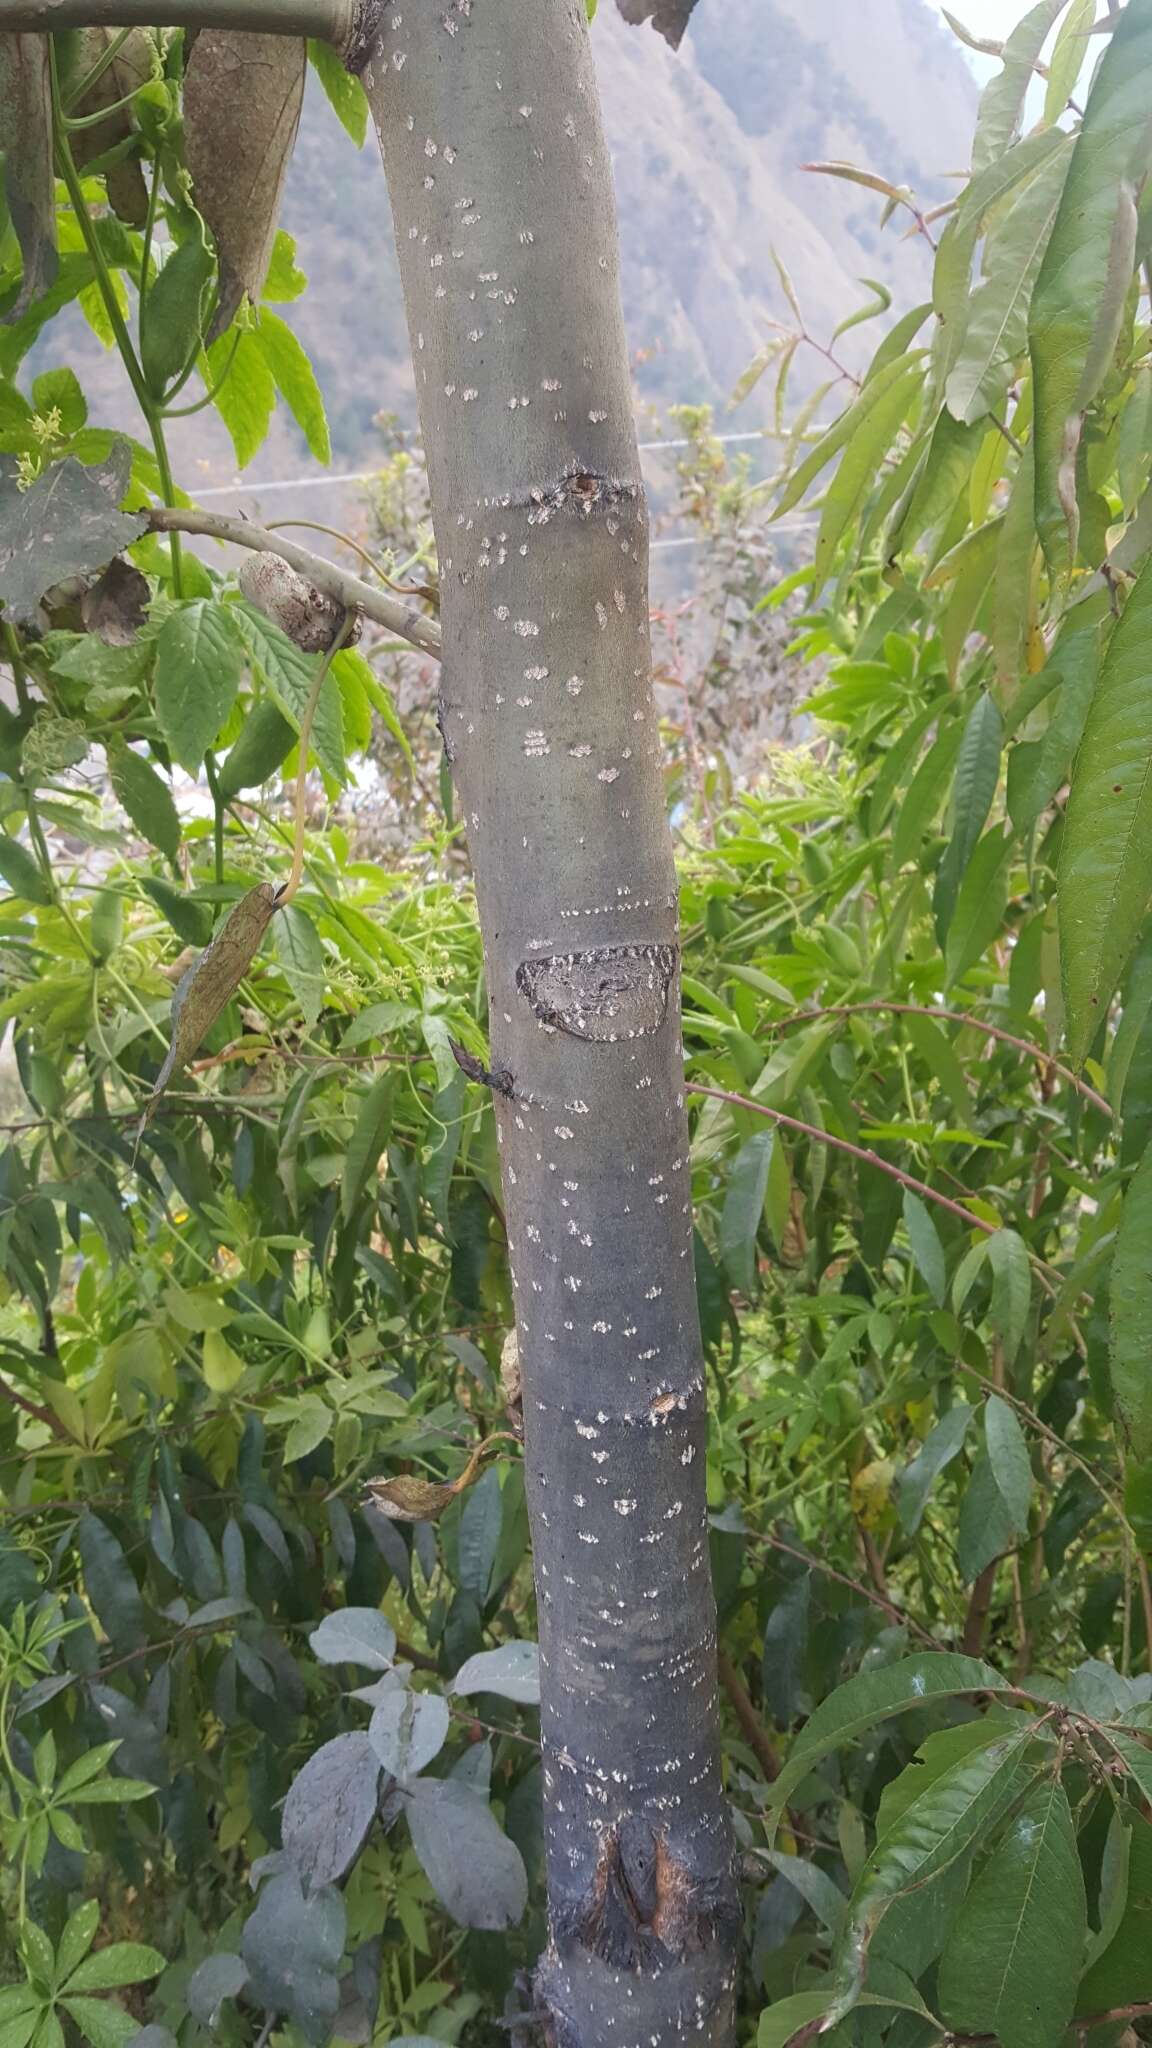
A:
(132, 66)
(211, 981)
(26, 151)
(242, 99)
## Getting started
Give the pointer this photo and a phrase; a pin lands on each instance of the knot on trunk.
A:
(645, 1908)
(581, 490)
(607, 994)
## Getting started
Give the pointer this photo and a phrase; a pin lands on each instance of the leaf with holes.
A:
(408, 1729)
(331, 1805)
(67, 523)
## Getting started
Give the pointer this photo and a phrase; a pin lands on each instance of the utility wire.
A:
(365, 476)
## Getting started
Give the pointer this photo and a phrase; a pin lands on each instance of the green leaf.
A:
(122, 1962)
(172, 315)
(1014, 1955)
(265, 741)
(29, 179)
(65, 524)
(874, 1696)
(944, 1823)
(996, 335)
(977, 774)
(843, 430)
(59, 391)
(145, 797)
(943, 1443)
(859, 465)
(986, 1528)
(1130, 1294)
(1069, 54)
(1118, 1974)
(110, 1584)
(21, 871)
(1075, 664)
(927, 1249)
(1008, 1455)
(743, 1209)
(980, 905)
(1002, 101)
(345, 93)
(925, 795)
(77, 1938)
(1011, 1290)
(789, 2015)
(300, 957)
(102, 2021)
(369, 1137)
(1105, 874)
(244, 390)
(288, 676)
(310, 1425)
(199, 663)
(939, 1055)
(1080, 292)
(295, 378)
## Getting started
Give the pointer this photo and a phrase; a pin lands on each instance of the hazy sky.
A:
(987, 17)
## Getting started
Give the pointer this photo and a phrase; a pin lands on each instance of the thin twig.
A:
(1037, 1052)
(751, 1726)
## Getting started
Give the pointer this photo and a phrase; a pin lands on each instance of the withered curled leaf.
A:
(408, 1498)
(210, 982)
(135, 61)
(26, 154)
(242, 99)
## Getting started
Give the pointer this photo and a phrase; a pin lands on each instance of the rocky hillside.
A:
(707, 145)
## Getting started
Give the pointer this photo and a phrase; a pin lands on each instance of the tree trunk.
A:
(489, 122)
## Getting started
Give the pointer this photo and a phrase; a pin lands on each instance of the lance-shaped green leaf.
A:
(874, 1696)
(980, 905)
(859, 465)
(26, 152)
(1084, 279)
(940, 479)
(1105, 876)
(212, 981)
(1011, 1288)
(1069, 54)
(146, 798)
(977, 774)
(1074, 664)
(943, 1443)
(1014, 1954)
(1131, 1302)
(945, 1823)
(172, 313)
(997, 331)
(67, 523)
(242, 100)
(1008, 1452)
(1002, 101)
(927, 1249)
(843, 430)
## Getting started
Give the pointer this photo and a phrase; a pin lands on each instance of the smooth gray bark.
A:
(501, 192)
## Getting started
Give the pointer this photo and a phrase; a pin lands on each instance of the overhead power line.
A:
(366, 476)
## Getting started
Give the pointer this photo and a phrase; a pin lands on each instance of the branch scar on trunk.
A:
(608, 995)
